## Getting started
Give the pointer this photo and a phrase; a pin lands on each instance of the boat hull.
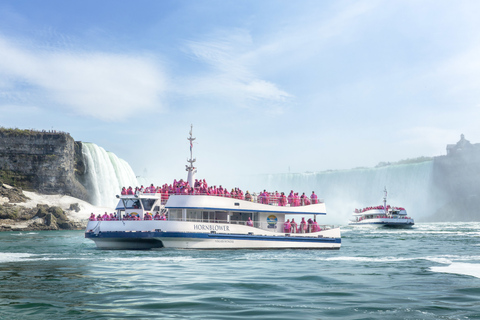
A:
(382, 222)
(186, 235)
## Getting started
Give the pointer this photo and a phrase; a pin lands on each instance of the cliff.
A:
(456, 182)
(47, 162)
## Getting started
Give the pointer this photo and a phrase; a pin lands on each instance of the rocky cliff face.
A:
(47, 162)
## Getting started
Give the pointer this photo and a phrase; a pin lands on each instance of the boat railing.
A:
(272, 200)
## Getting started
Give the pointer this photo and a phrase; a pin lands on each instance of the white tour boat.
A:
(385, 215)
(199, 221)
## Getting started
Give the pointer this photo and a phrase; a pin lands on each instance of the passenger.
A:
(314, 198)
(124, 191)
(310, 225)
(302, 199)
(157, 216)
(287, 228)
(283, 200)
(290, 199)
(303, 225)
(249, 222)
(99, 217)
(163, 217)
(294, 226)
(248, 196)
(316, 227)
(92, 217)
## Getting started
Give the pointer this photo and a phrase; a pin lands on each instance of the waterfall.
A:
(106, 174)
(409, 186)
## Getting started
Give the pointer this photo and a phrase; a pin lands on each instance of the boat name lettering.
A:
(211, 227)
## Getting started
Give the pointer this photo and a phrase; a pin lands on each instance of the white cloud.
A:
(102, 85)
(232, 63)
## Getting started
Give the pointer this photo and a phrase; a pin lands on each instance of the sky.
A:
(269, 86)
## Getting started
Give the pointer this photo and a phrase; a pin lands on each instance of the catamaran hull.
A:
(130, 236)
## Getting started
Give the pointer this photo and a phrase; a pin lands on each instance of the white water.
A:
(409, 186)
(106, 174)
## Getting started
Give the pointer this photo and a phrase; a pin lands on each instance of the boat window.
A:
(194, 215)
(175, 214)
(131, 203)
(119, 205)
(148, 204)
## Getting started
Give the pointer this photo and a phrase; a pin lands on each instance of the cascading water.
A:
(106, 174)
(408, 185)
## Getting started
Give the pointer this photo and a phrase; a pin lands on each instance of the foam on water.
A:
(14, 257)
(461, 268)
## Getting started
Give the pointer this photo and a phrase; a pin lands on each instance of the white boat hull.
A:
(193, 235)
(385, 222)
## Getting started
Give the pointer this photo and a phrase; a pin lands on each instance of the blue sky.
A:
(270, 86)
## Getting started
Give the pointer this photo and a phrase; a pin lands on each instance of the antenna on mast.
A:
(385, 200)
(190, 168)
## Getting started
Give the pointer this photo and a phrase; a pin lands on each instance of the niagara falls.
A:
(239, 159)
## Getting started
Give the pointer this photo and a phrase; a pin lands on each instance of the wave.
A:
(461, 268)
(444, 259)
(13, 256)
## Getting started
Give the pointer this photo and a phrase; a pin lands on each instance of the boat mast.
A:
(190, 168)
(385, 200)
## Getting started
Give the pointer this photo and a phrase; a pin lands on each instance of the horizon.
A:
(270, 87)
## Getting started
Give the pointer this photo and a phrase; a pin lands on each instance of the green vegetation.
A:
(404, 161)
(16, 179)
(15, 132)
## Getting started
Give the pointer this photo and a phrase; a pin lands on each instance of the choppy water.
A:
(429, 272)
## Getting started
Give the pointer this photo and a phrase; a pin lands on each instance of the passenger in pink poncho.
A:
(314, 198)
(303, 226)
(287, 228)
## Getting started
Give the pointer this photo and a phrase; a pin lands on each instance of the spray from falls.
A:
(106, 174)
(409, 186)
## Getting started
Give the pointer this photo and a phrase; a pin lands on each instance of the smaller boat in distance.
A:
(382, 216)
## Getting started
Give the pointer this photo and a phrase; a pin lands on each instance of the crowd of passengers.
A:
(384, 217)
(304, 227)
(128, 216)
(289, 226)
(378, 208)
(201, 187)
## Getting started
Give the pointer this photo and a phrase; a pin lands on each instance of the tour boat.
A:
(200, 221)
(385, 215)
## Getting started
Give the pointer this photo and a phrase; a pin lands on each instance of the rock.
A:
(50, 220)
(75, 207)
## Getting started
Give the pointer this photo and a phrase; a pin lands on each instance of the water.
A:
(106, 174)
(429, 272)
